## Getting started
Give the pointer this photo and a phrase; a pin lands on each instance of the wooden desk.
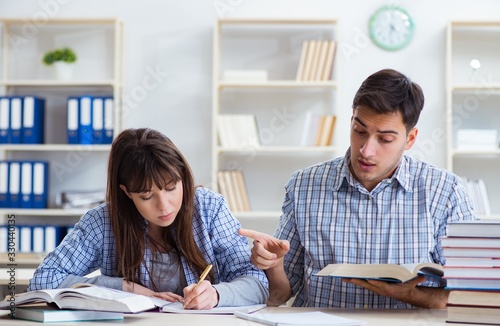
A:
(372, 317)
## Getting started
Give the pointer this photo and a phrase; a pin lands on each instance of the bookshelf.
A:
(279, 101)
(473, 94)
(98, 71)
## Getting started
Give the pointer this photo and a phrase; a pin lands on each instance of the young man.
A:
(374, 205)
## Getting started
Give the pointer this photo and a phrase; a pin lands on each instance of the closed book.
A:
(97, 120)
(474, 298)
(4, 119)
(471, 252)
(47, 314)
(72, 111)
(330, 58)
(26, 185)
(16, 118)
(85, 120)
(472, 272)
(33, 120)
(4, 184)
(302, 60)
(40, 184)
(469, 242)
(473, 284)
(473, 315)
(477, 228)
(14, 184)
(108, 120)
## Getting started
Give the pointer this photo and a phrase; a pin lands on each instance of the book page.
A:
(176, 307)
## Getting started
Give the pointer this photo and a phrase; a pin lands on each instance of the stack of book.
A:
(238, 131)
(479, 195)
(232, 187)
(472, 271)
(318, 129)
(316, 60)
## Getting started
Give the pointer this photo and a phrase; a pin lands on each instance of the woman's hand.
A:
(139, 289)
(203, 296)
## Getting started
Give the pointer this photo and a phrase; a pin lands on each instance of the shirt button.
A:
(368, 232)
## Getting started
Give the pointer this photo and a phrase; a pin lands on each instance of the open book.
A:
(383, 272)
(86, 297)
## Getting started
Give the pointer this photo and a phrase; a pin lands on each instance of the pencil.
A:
(202, 278)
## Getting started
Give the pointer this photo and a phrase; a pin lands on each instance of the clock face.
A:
(391, 28)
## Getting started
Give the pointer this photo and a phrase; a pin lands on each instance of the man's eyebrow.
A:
(379, 131)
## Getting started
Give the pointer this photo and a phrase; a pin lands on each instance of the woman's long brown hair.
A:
(138, 158)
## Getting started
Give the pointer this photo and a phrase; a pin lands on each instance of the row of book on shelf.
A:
(231, 185)
(316, 60)
(22, 120)
(89, 119)
(24, 184)
(240, 131)
(479, 195)
(31, 238)
(472, 271)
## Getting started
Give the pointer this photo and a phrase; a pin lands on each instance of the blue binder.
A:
(26, 184)
(85, 123)
(25, 239)
(4, 184)
(73, 112)
(40, 184)
(33, 120)
(53, 237)
(97, 120)
(4, 120)
(38, 239)
(108, 120)
(14, 184)
(4, 239)
(16, 119)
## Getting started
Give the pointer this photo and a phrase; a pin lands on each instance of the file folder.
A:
(53, 236)
(14, 183)
(108, 120)
(4, 120)
(97, 120)
(33, 120)
(4, 239)
(4, 185)
(16, 118)
(85, 123)
(38, 239)
(73, 108)
(26, 185)
(25, 239)
(40, 184)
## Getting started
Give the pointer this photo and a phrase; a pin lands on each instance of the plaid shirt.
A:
(330, 218)
(90, 246)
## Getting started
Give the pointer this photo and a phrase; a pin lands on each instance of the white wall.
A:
(175, 38)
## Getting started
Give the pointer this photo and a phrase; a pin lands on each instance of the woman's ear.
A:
(122, 187)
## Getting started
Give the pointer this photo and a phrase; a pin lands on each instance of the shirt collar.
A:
(401, 175)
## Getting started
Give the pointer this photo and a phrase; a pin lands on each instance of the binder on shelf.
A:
(330, 57)
(53, 236)
(85, 121)
(38, 239)
(4, 120)
(33, 120)
(14, 184)
(26, 185)
(4, 185)
(97, 120)
(40, 184)
(108, 120)
(16, 116)
(25, 239)
(4, 239)
(73, 109)
(302, 61)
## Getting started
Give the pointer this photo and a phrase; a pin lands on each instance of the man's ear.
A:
(122, 187)
(411, 138)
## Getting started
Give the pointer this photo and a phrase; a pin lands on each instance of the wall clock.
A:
(391, 28)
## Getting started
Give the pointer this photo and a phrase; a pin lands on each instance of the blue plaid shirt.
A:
(90, 246)
(330, 218)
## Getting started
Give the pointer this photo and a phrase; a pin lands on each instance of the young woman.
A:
(156, 234)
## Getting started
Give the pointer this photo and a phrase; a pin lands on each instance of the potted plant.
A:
(63, 59)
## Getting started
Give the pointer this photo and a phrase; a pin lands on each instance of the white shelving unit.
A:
(279, 104)
(98, 43)
(473, 97)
